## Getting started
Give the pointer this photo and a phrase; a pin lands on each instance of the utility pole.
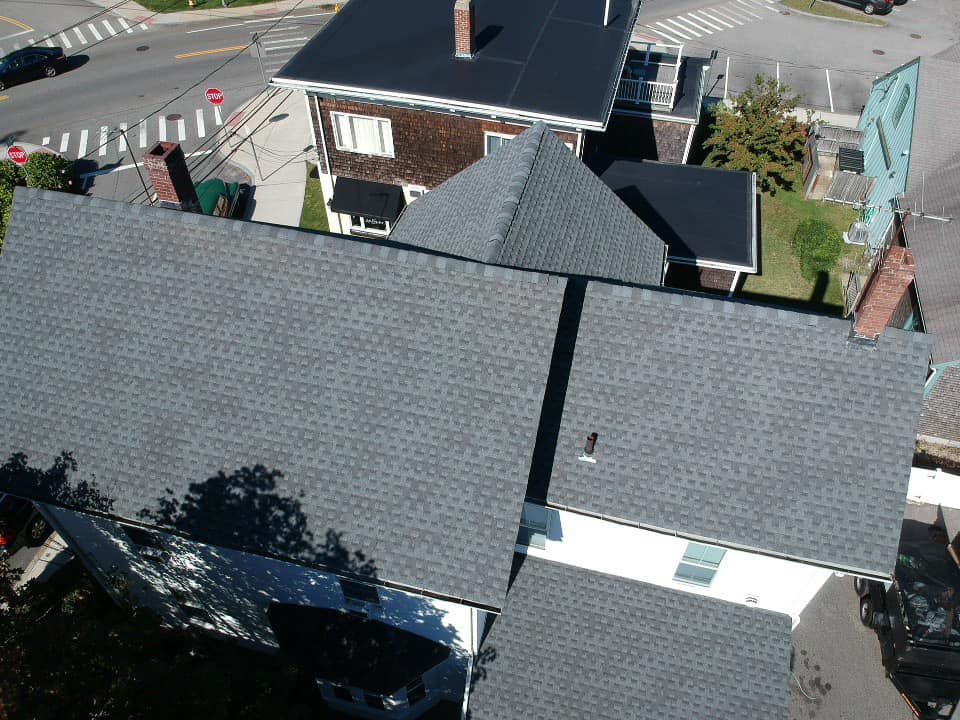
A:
(143, 182)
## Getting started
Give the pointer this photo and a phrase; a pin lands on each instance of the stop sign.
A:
(214, 96)
(17, 154)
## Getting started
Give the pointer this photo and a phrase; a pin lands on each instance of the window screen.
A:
(359, 592)
(372, 136)
(495, 141)
(699, 564)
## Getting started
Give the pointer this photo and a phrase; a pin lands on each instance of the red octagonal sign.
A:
(17, 154)
(214, 96)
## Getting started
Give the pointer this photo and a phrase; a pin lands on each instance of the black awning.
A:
(354, 650)
(369, 199)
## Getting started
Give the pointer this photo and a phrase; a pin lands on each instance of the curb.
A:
(861, 23)
(135, 12)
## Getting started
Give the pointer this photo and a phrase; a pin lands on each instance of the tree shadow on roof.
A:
(56, 485)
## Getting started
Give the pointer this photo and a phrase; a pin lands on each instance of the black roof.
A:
(546, 59)
(367, 198)
(704, 215)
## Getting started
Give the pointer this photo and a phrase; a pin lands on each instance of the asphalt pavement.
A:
(132, 81)
(829, 63)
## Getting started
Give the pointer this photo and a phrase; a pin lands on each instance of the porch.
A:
(650, 75)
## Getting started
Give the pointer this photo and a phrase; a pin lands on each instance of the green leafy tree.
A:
(758, 134)
(70, 652)
(818, 246)
(42, 170)
(47, 171)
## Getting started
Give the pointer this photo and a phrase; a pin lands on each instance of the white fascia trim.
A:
(710, 264)
(686, 149)
(656, 116)
(432, 102)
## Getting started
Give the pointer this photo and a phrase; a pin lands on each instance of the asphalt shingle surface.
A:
(940, 416)
(574, 644)
(398, 393)
(740, 424)
(532, 204)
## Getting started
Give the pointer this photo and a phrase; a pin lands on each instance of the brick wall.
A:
(885, 292)
(689, 277)
(428, 147)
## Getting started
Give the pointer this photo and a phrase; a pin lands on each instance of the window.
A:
(416, 691)
(373, 226)
(342, 693)
(884, 148)
(901, 105)
(359, 592)
(533, 526)
(414, 192)
(699, 564)
(367, 135)
(495, 140)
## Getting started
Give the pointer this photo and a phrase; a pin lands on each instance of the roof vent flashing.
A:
(588, 449)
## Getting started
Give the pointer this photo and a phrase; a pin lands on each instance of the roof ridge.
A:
(503, 222)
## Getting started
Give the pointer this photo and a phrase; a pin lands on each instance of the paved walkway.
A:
(270, 139)
(135, 12)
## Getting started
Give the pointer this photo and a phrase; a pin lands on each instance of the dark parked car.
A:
(29, 63)
(20, 524)
(880, 7)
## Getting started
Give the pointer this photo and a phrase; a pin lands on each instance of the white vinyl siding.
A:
(359, 134)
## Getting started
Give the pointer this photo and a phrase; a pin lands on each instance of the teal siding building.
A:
(887, 126)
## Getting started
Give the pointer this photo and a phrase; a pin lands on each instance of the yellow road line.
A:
(234, 48)
(4, 97)
(19, 24)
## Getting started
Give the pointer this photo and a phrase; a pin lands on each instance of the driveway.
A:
(837, 674)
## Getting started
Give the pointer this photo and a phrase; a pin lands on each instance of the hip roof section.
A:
(573, 644)
(738, 424)
(548, 59)
(396, 394)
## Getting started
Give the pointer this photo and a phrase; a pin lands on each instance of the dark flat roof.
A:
(546, 58)
(367, 198)
(704, 215)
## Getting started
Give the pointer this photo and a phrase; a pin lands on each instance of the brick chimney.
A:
(167, 167)
(463, 28)
(885, 290)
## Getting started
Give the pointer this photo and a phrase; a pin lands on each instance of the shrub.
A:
(47, 171)
(818, 245)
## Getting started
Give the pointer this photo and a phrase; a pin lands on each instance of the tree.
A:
(818, 245)
(759, 134)
(48, 171)
(42, 170)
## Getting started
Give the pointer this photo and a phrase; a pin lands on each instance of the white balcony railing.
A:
(646, 92)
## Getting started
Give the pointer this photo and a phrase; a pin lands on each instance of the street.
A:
(131, 82)
(830, 64)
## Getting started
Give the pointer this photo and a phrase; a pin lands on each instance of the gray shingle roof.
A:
(940, 416)
(163, 347)
(532, 204)
(933, 184)
(574, 644)
(740, 424)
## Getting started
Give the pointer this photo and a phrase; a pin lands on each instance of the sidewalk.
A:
(135, 12)
(272, 143)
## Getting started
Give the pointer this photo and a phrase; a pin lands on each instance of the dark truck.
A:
(917, 619)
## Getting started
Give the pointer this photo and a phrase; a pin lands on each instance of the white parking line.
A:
(662, 34)
(66, 41)
(201, 129)
(83, 144)
(46, 141)
(80, 36)
(728, 15)
(104, 138)
(162, 128)
(64, 141)
(704, 21)
(125, 25)
(829, 89)
(674, 31)
(676, 21)
(122, 142)
(96, 33)
(143, 133)
(181, 129)
(109, 27)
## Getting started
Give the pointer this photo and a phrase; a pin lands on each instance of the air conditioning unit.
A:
(858, 234)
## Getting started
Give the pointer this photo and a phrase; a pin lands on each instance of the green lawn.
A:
(179, 5)
(314, 214)
(779, 280)
(831, 10)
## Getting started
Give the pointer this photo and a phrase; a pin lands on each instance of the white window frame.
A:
(409, 190)
(689, 559)
(362, 227)
(338, 140)
(486, 134)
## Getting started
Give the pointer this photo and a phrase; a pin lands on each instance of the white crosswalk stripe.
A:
(699, 23)
(50, 43)
(143, 133)
(124, 25)
(162, 128)
(201, 129)
(109, 27)
(82, 150)
(96, 33)
(104, 135)
(181, 130)
(46, 141)
(80, 36)
(64, 142)
(66, 40)
(122, 141)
